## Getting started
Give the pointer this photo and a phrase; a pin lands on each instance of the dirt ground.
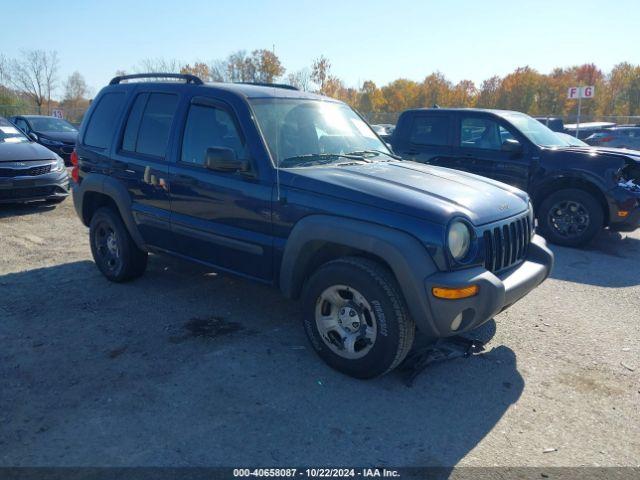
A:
(185, 367)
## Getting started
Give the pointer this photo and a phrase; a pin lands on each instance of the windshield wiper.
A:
(375, 153)
(318, 159)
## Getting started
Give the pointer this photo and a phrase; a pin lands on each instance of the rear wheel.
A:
(114, 251)
(570, 217)
(356, 318)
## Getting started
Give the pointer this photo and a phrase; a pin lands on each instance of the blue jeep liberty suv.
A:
(296, 190)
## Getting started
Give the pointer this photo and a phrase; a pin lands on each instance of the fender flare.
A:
(590, 181)
(407, 258)
(112, 188)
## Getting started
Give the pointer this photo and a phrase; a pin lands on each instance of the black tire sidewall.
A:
(108, 216)
(386, 309)
(596, 217)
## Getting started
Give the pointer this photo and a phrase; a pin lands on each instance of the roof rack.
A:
(181, 76)
(266, 84)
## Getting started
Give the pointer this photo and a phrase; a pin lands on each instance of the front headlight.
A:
(58, 166)
(459, 240)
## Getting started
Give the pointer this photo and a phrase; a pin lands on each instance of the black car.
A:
(384, 130)
(29, 171)
(554, 123)
(295, 190)
(616, 137)
(54, 133)
(576, 191)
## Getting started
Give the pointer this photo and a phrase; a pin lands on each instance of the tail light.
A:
(606, 139)
(75, 171)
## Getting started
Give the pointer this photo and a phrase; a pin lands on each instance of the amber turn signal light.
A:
(623, 213)
(454, 293)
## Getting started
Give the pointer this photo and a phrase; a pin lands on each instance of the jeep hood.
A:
(432, 193)
(23, 152)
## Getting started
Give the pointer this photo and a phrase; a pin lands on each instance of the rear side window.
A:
(103, 120)
(149, 124)
(430, 130)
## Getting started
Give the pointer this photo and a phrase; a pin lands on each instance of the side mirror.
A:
(223, 159)
(512, 146)
(33, 136)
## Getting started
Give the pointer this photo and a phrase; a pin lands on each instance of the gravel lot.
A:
(185, 367)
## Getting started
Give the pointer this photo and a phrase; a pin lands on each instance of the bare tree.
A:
(76, 97)
(35, 75)
(4, 70)
(75, 88)
(239, 67)
(218, 71)
(158, 65)
(300, 79)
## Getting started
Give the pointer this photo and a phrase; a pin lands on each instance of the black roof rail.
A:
(266, 84)
(181, 76)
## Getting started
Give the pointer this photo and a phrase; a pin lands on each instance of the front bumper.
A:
(496, 292)
(51, 186)
(621, 199)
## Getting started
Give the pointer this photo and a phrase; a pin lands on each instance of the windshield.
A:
(51, 124)
(571, 140)
(535, 131)
(10, 134)
(300, 132)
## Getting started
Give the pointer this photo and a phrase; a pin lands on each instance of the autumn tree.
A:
(434, 90)
(371, 98)
(320, 72)
(199, 69)
(266, 66)
(401, 94)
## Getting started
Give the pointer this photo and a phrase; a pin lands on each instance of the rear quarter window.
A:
(149, 124)
(102, 123)
(430, 130)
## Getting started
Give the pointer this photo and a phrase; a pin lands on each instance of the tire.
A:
(114, 251)
(552, 223)
(367, 292)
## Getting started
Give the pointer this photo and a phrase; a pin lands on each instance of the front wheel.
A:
(356, 318)
(570, 217)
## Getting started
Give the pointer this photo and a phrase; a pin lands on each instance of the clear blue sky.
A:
(378, 40)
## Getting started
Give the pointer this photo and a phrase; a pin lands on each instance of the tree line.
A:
(32, 82)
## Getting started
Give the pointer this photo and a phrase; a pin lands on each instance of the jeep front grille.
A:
(506, 243)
